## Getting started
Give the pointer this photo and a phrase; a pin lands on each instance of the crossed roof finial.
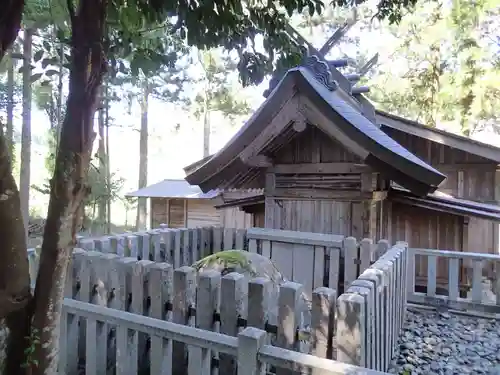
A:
(323, 69)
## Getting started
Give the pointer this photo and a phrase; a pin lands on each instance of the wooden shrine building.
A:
(329, 163)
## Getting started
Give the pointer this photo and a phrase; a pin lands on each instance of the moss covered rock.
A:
(252, 265)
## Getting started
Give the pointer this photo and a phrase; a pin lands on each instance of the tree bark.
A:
(68, 185)
(102, 203)
(24, 180)
(142, 204)
(15, 292)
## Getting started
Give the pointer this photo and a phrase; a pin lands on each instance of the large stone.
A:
(252, 265)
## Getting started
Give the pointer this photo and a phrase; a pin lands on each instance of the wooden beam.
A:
(439, 136)
(367, 182)
(287, 114)
(320, 168)
(312, 194)
(379, 196)
(370, 64)
(339, 33)
(258, 161)
(339, 63)
(360, 90)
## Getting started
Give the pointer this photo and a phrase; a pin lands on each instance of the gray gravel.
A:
(447, 344)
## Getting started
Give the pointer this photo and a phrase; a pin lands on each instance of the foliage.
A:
(446, 66)
(216, 91)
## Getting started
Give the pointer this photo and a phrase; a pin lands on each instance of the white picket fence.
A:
(370, 314)
(249, 348)
(484, 294)
(207, 301)
(361, 328)
(311, 259)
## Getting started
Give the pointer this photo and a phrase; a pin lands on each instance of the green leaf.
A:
(36, 77)
(49, 61)
(38, 55)
(47, 46)
(51, 72)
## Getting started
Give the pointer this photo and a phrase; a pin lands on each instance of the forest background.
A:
(440, 66)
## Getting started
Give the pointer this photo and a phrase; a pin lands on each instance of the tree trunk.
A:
(142, 203)
(206, 132)
(101, 152)
(10, 105)
(68, 185)
(24, 181)
(108, 173)
(15, 293)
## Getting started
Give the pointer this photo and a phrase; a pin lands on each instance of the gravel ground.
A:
(447, 344)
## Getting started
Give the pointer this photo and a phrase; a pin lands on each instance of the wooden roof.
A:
(439, 136)
(448, 204)
(308, 96)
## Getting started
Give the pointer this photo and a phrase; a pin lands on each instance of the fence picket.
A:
(322, 322)
(161, 277)
(234, 292)
(288, 319)
(183, 300)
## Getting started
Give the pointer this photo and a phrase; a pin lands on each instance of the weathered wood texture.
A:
(313, 146)
(319, 216)
(484, 295)
(192, 213)
(433, 231)
(371, 313)
(468, 176)
(249, 347)
(207, 301)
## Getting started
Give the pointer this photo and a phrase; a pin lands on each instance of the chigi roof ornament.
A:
(317, 63)
(321, 71)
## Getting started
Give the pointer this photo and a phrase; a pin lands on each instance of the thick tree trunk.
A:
(24, 181)
(15, 293)
(68, 185)
(142, 204)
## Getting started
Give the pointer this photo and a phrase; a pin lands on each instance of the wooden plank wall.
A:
(418, 227)
(318, 216)
(315, 215)
(202, 213)
(233, 217)
(468, 176)
(159, 211)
